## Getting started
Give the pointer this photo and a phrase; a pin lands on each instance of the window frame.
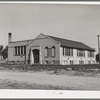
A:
(91, 54)
(18, 50)
(80, 53)
(67, 51)
(53, 47)
(46, 52)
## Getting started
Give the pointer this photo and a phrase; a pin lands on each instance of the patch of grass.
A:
(7, 84)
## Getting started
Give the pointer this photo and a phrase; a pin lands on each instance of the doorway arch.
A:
(36, 56)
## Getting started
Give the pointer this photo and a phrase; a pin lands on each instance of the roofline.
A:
(91, 49)
(64, 39)
(51, 39)
(34, 39)
(78, 48)
(21, 41)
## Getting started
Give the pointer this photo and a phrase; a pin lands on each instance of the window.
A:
(71, 51)
(46, 51)
(15, 50)
(89, 62)
(20, 50)
(81, 62)
(24, 50)
(71, 62)
(64, 62)
(63, 51)
(67, 51)
(93, 62)
(81, 53)
(90, 54)
(49, 52)
(53, 51)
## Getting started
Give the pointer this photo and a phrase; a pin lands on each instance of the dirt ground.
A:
(70, 80)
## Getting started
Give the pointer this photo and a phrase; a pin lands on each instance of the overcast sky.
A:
(26, 21)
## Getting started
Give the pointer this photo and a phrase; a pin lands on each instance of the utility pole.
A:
(98, 48)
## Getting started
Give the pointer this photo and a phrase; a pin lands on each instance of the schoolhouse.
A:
(45, 49)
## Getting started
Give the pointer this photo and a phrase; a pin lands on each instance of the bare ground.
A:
(69, 80)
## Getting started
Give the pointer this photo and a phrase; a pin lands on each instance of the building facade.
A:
(46, 49)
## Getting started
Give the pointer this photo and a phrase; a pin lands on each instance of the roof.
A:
(22, 42)
(64, 43)
(71, 44)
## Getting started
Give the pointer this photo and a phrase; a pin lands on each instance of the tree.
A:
(5, 52)
(1, 48)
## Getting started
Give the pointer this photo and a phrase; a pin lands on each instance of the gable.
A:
(41, 36)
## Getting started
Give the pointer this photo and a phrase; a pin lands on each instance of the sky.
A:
(70, 21)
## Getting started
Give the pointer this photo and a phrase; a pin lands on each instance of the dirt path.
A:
(75, 82)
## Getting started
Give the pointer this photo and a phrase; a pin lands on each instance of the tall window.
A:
(63, 51)
(46, 51)
(49, 52)
(90, 54)
(15, 50)
(67, 51)
(20, 50)
(53, 51)
(81, 53)
(24, 50)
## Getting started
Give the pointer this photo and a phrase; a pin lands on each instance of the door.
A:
(36, 56)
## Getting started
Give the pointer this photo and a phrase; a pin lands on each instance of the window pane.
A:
(24, 50)
(18, 50)
(49, 52)
(90, 54)
(77, 53)
(21, 50)
(46, 52)
(53, 51)
(63, 51)
(81, 53)
(15, 50)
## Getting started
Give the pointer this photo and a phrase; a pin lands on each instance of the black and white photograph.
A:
(50, 46)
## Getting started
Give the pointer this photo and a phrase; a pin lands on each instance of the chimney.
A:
(9, 37)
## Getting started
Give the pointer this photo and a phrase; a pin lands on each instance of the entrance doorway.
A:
(36, 56)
